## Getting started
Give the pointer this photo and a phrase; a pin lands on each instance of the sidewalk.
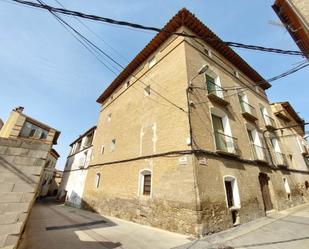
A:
(285, 229)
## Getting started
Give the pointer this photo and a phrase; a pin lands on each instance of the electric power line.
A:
(143, 27)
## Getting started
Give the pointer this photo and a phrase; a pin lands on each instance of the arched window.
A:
(145, 182)
(97, 180)
(231, 192)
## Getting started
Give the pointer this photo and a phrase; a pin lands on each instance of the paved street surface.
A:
(54, 226)
(286, 230)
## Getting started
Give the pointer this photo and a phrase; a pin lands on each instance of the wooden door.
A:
(263, 179)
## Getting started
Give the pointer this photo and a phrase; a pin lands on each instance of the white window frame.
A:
(226, 127)
(287, 187)
(213, 74)
(236, 196)
(142, 173)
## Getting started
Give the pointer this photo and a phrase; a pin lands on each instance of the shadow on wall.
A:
(75, 228)
(19, 173)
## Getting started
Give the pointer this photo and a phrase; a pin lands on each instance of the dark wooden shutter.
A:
(147, 184)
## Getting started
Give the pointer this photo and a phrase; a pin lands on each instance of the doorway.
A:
(264, 183)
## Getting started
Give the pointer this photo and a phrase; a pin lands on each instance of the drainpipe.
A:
(197, 193)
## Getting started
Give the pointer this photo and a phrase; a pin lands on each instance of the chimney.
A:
(19, 109)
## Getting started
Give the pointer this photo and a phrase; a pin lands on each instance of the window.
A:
(279, 157)
(244, 104)
(88, 140)
(306, 158)
(32, 131)
(306, 185)
(222, 132)
(109, 117)
(213, 84)
(97, 180)
(231, 191)
(127, 84)
(102, 149)
(269, 121)
(152, 62)
(113, 145)
(145, 183)
(78, 145)
(147, 90)
(287, 188)
(259, 152)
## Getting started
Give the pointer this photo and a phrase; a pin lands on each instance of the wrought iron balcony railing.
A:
(280, 159)
(248, 110)
(269, 121)
(225, 143)
(260, 153)
(216, 93)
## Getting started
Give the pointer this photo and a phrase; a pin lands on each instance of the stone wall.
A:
(171, 205)
(214, 214)
(21, 166)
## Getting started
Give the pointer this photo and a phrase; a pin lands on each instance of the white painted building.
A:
(74, 174)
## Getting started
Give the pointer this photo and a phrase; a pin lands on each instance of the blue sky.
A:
(44, 69)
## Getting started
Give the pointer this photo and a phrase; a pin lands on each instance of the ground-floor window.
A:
(287, 188)
(145, 182)
(231, 191)
(97, 180)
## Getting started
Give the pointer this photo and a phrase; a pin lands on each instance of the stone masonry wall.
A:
(21, 166)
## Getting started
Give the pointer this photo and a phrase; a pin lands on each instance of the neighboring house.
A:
(179, 142)
(49, 173)
(294, 14)
(55, 183)
(75, 171)
(25, 145)
(22, 126)
(1, 123)
(293, 138)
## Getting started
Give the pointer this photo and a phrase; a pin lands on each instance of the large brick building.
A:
(180, 141)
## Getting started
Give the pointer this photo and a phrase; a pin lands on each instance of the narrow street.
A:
(55, 226)
(283, 230)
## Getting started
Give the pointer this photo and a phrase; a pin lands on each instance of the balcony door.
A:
(219, 132)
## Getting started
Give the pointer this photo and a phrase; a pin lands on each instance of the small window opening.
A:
(307, 185)
(147, 90)
(113, 144)
(109, 117)
(97, 180)
(127, 84)
(145, 182)
(152, 62)
(102, 149)
(287, 188)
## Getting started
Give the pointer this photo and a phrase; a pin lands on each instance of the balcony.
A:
(260, 154)
(269, 122)
(248, 111)
(280, 159)
(216, 94)
(226, 144)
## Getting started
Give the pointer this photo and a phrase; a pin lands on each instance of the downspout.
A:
(194, 166)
